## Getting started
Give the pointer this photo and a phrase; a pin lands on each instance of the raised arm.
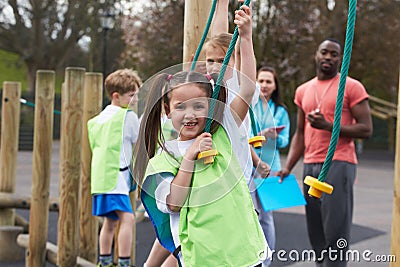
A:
(240, 104)
(220, 22)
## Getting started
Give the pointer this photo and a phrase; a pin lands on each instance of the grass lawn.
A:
(11, 69)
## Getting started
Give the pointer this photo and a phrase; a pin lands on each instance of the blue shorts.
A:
(105, 205)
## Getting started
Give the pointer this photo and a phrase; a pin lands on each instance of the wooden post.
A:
(196, 15)
(93, 97)
(70, 160)
(42, 145)
(395, 249)
(132, 196)
(9, 144)
(18, 201)
(390, 122)
(51, 252)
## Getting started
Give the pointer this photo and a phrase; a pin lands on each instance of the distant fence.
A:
(25, 142)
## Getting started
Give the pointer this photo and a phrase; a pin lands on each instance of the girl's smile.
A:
(188, 109)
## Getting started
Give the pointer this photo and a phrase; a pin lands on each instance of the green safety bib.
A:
(105, 141)
(218, 224)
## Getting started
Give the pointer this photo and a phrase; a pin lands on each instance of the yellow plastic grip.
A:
(257, 141)
(208, 156)
(317, 187)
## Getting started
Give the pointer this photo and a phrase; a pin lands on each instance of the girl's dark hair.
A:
(150, 134)
(276, 95)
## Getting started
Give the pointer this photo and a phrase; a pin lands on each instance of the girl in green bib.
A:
(203, 213)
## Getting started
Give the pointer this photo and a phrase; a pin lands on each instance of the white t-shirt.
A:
(233, 91)
(130, 135)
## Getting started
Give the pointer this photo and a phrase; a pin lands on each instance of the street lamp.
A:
(107, 21)
(330, 4)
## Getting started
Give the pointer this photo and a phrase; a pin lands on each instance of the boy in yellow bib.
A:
(112, 135)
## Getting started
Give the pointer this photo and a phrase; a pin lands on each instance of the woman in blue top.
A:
(273, 119)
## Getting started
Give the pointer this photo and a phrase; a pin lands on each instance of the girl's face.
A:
(188, 110)
(267, 83)
(214, 58)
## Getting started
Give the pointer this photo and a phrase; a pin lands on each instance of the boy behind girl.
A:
(112, 135)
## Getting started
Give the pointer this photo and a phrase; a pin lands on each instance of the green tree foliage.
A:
(376, 57)
(286, 35)
(11, 69)
(45, 33)
(154, 37)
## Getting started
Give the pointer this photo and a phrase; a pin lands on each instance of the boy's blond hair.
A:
(122, 81)
(221, 41)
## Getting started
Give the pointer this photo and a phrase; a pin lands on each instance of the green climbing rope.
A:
(342, 83)
(221, 74)
(30, 104)
(255, 127)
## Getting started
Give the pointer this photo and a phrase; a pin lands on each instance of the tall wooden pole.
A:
(395, 249)
(42, 145)
(70, 160)
(196, 15)
(93, 99)
(390, 122)
(132, 196)
(10, 115)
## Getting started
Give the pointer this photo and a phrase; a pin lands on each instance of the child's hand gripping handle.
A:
(202, 148)
(208, 156)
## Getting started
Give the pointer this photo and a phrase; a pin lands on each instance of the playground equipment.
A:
(9, 200)
(386, 111)
(73, 125)
(42, 144)
(8, 158)
(395, 244)
(72, 146)
(93, 97)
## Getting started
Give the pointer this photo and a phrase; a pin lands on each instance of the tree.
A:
(154, 37)
(376, 55)
(286, 35)
(44, 32)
